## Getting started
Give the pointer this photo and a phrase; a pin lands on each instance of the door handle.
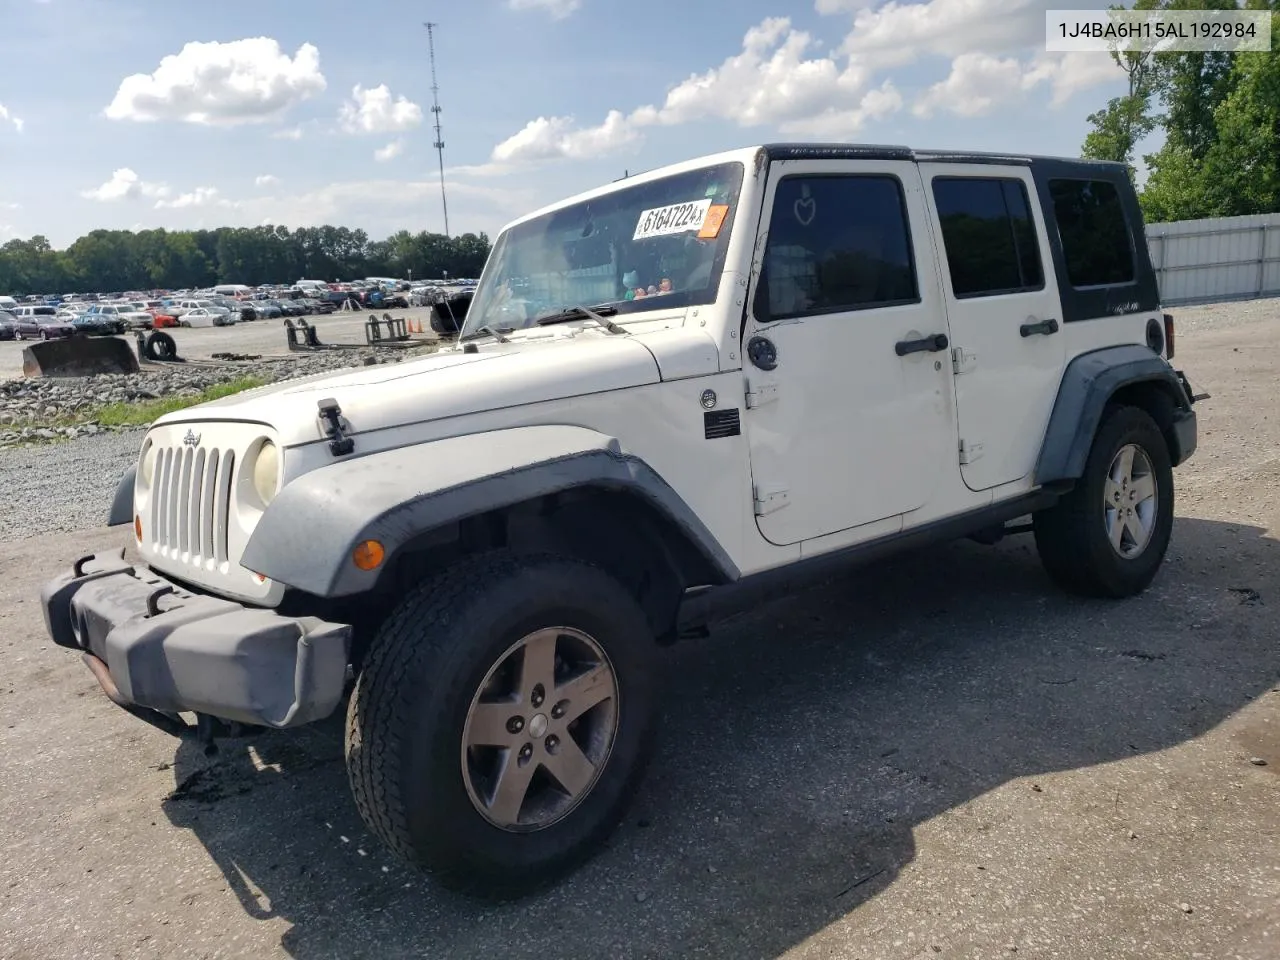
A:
(1044, 327)
(931, 344)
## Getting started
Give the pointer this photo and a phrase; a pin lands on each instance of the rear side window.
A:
(1095, 234)
(989, 236)
(836, 243)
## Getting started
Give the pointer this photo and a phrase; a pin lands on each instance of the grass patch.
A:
(142, 412)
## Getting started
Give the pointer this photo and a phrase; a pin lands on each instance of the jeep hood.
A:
(440, 385)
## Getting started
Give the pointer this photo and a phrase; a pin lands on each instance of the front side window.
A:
(654, 245)
(1095, 234)
(836, 244)
(989, 236)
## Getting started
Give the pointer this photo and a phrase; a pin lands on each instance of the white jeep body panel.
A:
(844, 442)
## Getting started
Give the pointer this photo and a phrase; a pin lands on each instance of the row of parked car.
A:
(46, 322)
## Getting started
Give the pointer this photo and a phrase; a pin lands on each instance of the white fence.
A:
(1221, 258)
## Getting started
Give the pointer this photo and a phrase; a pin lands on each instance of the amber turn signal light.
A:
(137, 527)
(368, 555)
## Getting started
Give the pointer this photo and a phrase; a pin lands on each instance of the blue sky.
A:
(142, 113)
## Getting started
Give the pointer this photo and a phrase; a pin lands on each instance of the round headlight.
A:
(147, 468)
(266, 471)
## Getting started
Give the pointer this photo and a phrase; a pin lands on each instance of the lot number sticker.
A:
(676, 218)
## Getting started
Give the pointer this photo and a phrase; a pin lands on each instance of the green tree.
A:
(1125, 120)
(115, 261)
(1238, 171)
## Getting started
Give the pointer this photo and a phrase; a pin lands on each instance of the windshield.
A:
(656, 245)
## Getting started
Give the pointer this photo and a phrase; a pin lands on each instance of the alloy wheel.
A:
(1130, 501)
(540, 729)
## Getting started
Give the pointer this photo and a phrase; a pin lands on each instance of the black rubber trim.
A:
(306, 536)
(122, 505)
(707, 605)
(1088, 383)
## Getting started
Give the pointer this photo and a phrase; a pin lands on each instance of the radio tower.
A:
(435, 108)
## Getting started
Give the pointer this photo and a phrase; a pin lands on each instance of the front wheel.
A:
(501, 721)
(1109, 535)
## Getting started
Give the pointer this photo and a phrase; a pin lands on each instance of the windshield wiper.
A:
(488, 331)
(599, 314)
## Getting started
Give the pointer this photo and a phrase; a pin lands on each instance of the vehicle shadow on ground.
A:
(799, 749)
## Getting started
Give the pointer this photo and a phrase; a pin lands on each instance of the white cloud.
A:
(290, 133)
(374, 111)
(125, 185)
(10, 206)
(900, 33)
(550, 137)
(978, 83)
(829, 7)
(6, 115)
(266, 180)
(242, 81)
(876, 104)
(770, 82)
(389, 152)
(199, 197)
(558, 9)
(1069, 73)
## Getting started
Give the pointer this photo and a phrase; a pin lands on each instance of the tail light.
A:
(1168, 336)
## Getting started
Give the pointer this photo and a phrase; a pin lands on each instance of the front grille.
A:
(191, 504)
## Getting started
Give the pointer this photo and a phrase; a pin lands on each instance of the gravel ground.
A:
(65, 485)
(984, 768)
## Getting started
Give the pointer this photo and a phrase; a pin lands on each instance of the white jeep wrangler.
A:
(673, 397)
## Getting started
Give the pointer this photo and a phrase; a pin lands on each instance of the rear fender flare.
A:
(1088, 384)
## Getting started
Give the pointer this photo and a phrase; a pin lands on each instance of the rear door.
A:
(1004, 313)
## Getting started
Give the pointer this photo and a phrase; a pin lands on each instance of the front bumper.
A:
(155, 646)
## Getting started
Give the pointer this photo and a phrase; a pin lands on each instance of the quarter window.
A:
(836, 243)
(989, 236)
(1095, 235)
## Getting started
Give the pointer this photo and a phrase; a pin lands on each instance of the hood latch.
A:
(339, 444)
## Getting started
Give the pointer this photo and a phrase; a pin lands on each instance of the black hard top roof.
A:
(873, 151)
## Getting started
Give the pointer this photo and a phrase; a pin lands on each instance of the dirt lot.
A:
(939, 756)
(264, 337)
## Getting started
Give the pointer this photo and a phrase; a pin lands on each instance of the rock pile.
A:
(29, 408)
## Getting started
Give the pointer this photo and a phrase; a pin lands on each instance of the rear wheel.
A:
(501, 721)
(1109, 535)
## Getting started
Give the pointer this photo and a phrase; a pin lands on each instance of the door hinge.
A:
(771, 498)
(970, 450)
(761, 393)
(962, 362)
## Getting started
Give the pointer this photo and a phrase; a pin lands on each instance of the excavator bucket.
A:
(78, 356)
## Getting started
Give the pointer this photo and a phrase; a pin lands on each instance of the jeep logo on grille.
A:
(192, 439)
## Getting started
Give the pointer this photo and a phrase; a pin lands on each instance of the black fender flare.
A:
(306, 536)
(122, 504)
(1088, 384)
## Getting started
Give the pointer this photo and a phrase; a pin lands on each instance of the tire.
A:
(160, 347)
(1074, 537)
(44, 334)
(423, 793)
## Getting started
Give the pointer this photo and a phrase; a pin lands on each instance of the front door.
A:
(1003, 310)
(849, 406)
